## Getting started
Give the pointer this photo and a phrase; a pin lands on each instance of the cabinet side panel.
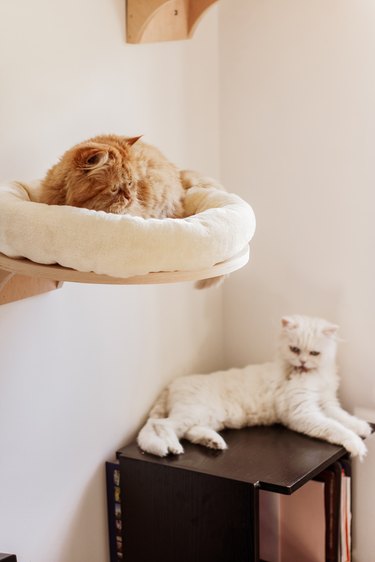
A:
(172, 514)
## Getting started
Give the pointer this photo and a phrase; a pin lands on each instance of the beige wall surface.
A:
(80, 367)
(297, 82)
(298, 122)
(289, 124)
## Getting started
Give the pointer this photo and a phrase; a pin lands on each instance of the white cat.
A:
(297, 390)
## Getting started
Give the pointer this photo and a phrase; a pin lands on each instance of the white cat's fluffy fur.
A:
(298, 390)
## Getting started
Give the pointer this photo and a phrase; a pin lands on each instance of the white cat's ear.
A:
(133, 140)
(330, 330)
(91, 157)
(289, 323)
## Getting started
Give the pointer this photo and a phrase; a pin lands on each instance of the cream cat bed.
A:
(219, 226)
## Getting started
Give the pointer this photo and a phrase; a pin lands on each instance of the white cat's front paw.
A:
(157, 448)
(362, 428)
(216, 442)
(175, 449)
(356, 447)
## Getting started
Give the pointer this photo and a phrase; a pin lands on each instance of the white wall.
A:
(79, 367)
(298, 127)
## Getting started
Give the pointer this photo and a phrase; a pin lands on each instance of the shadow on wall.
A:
(119, 6)
(88, 524)
(200, 336)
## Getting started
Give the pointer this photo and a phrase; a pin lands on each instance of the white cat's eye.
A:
(294, 349)
(315, 353)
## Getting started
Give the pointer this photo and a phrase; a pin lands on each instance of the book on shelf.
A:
(346, 512)
(114, 511)
(311, 525)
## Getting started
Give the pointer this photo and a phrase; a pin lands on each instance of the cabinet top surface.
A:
(273, 458)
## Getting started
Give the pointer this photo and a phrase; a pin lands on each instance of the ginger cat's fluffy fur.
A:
(118, 175)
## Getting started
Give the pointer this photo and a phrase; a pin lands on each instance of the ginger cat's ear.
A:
(91, 157)
(133, 140)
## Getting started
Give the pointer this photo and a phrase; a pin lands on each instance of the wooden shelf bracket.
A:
(14, 287)
(163, 20)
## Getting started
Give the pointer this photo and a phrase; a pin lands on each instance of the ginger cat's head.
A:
(115, 174)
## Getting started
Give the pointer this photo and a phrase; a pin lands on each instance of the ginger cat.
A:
(118, 175)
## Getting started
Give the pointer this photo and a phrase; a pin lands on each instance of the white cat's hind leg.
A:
(159, 438)
(149, 441)
(205, 436)
(166, 432)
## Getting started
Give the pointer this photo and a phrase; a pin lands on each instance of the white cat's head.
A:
(307, 344)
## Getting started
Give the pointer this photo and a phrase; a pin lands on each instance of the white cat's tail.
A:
(159, 409)
(159, 438)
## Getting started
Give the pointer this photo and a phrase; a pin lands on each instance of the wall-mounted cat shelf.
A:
(21, 278)
(212, 240)
(163, 20)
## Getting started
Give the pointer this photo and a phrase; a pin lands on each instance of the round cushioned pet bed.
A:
(218, 226)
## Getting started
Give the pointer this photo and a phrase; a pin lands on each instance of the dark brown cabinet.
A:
(203, 506)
